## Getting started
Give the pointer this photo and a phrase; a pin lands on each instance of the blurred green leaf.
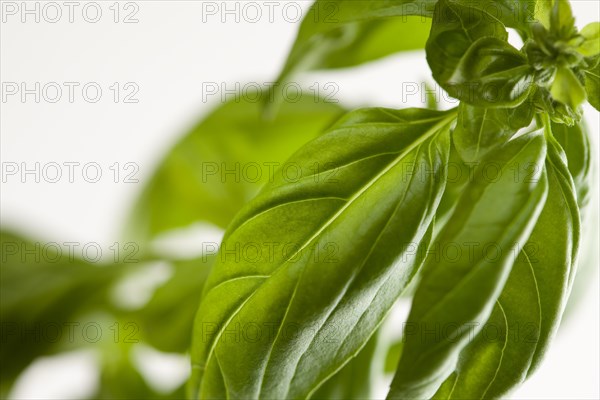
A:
(591, 40)
(43, 290)
(120, 379)
(393, 356)
(345, 33)
(224, 160)
(167, 320)
(592, 84)
(562, 22)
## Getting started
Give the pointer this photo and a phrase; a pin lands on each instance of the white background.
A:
(169, 54)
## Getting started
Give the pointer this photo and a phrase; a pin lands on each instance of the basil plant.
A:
(477, 214)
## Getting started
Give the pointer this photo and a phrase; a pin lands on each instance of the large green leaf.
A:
(500, 355)
(575, 141)
(223, 161)
(344, 239)
(356, 379)
(528, 311)
(470, 58)
(557, 236)
(43, 290)
(343, 33)
(459, 289)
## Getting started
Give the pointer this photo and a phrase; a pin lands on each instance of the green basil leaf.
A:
(517, 14)
(119, 379)
(556, 16)
(542, 12)
(592, 85)
(491, 73)
(591, 44)
(341, 272)
(41, 286)
(356, 379)
(456, 27)
(167, 319)
(393, 356)
(567, 89)
(470, 58)
(456, 294)
(479, 130)
(528, 311)
(458, 177)
(223, 161)
(499, 357)
(562, 22)
(587, 262)
(576, 143)
(557, 236)
(344, 33)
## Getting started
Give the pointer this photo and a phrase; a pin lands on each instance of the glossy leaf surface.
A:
(355, 380)
(470, 58)
(344, 266)
(458, 290)
(528, 311)
(557, 236)
(575, 142)
(480, 130)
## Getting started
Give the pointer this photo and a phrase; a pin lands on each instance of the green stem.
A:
(543, 121)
